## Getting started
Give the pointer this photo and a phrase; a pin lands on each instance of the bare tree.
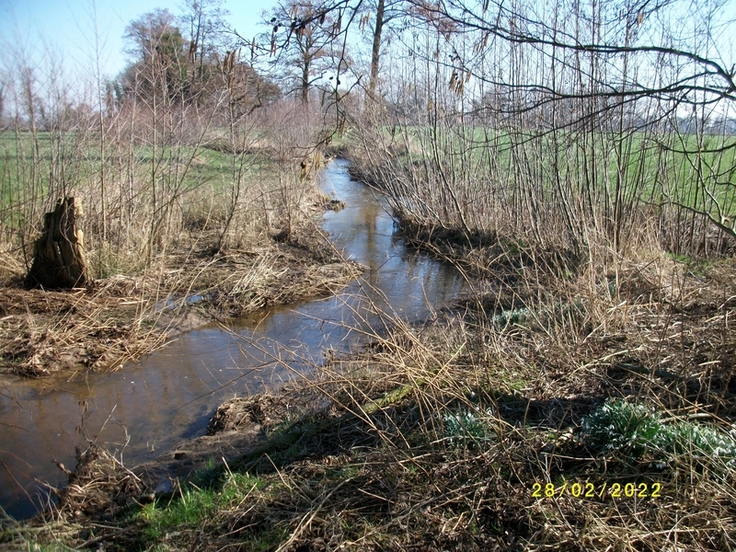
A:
(383, 13)
(302, 41)
(575, 103)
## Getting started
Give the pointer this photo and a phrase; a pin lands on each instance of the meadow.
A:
(568, 184)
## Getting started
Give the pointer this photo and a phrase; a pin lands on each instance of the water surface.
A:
(150, 406)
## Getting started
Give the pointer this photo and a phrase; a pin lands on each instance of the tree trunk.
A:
(305, 80)
(58, 255)
(376, 50)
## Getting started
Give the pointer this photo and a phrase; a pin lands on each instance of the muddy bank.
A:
(300, 420)
(47, 331)
(95, 507)
(118, 319)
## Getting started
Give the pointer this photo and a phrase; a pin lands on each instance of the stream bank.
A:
(120, 318)
(481, 428)
(147, 407)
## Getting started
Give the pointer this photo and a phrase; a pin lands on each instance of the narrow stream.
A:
(150, 406)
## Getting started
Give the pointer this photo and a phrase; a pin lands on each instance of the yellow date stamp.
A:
(601, 490)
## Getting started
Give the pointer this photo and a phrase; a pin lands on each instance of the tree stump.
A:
(58, 255)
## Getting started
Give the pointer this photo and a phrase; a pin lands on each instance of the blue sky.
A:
(67, 27)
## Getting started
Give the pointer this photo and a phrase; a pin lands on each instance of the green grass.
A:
(169, 522)
(195, 506)
(643, 167)
(191, 510)
(70, 162)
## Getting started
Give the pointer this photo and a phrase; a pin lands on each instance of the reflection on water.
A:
(152, 405)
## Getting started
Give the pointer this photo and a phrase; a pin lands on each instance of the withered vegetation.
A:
(119, 318)
(434, 436)
(574, 166)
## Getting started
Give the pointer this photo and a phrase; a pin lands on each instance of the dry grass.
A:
(433, 437)
(121, 317)
(382, 472)
(47, 331)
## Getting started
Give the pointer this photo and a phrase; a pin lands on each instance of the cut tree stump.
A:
(58, 255)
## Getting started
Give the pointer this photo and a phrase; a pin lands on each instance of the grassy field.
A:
(36, 168)
(587, 182)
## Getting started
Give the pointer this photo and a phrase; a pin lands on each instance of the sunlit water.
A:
(150, 406)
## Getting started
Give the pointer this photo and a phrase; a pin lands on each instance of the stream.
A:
(150, 406)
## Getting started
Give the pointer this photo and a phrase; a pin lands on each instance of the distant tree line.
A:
(188, 60)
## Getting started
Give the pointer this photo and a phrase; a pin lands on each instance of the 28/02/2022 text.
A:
(602, 490)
